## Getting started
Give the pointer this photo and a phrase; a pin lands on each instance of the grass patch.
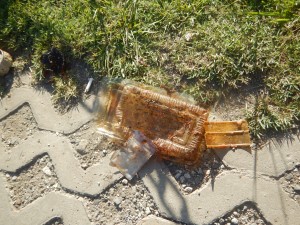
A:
(202, 47)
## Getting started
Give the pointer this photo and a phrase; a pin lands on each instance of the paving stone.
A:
(273, 159)
(67, 167)
(227, 191)
(44, 112)
(251, 178)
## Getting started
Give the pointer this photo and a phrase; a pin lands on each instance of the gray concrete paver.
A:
(273, 159)
(91, 181)
(45, 114)
(227, 191)
(251, 179)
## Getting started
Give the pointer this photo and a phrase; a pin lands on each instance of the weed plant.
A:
(206, 48)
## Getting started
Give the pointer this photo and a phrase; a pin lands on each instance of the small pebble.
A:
(188, 189)
(187, 176)
(148, 211)
(236, 214)
(47, 171)
(182, 179)
(235, 221)
(125, 181)
(207, 172)
(18, 202)
(81, 151)
(14, 178)
(117, 201)
(297, 188)
(177, 176)
(84, 165)
(288, 177)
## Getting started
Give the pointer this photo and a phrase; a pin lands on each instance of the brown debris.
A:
(178, 129)
(227, 134)
(175, 127)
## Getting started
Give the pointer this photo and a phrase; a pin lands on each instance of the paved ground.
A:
(266, 179)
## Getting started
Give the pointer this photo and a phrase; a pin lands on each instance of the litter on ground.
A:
(178, 129)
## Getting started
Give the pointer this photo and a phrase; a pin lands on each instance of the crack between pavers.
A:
(264, 176)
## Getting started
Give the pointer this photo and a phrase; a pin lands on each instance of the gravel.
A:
(32, 182)
(26, 126)
(190, 179)
(245, 214)
(121, 204)
(291, 183)
(125, 202)
(90, 146)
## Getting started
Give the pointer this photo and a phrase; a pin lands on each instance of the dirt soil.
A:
(291, 183)
(34, 181)
(26, 126)
(90, 145)
(245, 214)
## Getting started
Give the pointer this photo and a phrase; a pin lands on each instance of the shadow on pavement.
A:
(164, 191)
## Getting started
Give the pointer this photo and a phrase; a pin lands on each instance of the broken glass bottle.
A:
(133, 155)
(178, 128)
(174, 125)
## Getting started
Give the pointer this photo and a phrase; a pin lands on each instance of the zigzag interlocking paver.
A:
(42, 210)
(248, 181)
(273, 159)
(215, 199)
(69, 172)
(44, 112)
